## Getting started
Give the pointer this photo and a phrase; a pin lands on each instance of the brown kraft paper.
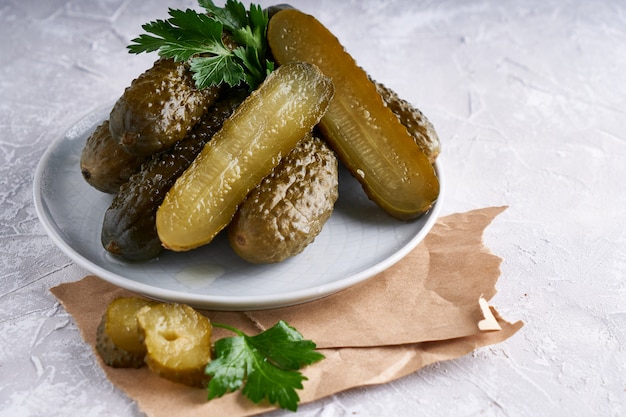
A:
(431, 306)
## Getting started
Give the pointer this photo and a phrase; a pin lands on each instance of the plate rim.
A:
(222, 302)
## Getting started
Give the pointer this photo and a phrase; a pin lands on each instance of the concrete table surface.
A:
(529, 99)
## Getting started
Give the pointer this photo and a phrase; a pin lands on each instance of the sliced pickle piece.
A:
(178, 342)
(366, 135)
(118, 340)
(121, 322)
(113, 355)
(287, 211)
(263, 129)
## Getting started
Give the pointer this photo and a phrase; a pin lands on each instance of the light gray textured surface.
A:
(529, 99)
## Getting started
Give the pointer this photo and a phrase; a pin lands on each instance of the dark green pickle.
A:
(287, 211)
(129, 227)
(159, 108)
(104, 164)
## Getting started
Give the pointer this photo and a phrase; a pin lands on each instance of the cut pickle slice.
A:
(265, 127)
(178, 342)
(368, 138)
(121, 323)
(117, 339)
(112, 354)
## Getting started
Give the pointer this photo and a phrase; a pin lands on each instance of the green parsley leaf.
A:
(213, 70)
(184, 35)
(198, 39)
(232, 15)
(266, 365)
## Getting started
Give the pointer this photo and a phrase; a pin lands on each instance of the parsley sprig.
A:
(198, 38)
(266, 365)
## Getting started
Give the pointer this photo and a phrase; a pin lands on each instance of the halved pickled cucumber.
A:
(104, 163)
(129, 225)
(266, 127)
(159, 108)
(287, 211)
(178, 342)
(363, 131)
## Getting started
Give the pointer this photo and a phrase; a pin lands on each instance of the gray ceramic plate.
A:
(357, 242)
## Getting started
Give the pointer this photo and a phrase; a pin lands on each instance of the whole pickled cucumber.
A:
(265, 128)
(129, 229)
(104, 163)
(287, 211)
(159, 108)
(418, 126)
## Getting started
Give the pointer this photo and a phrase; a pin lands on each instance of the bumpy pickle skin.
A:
(367, 137)
(129, 225)
(286, 212)
(178, 342)
(266, 127)
(416, 123)
(104, 163)
(159, 108)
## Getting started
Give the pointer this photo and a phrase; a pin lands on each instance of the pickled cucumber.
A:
(287, 211)
(129, 226)
(104, 163)
(416, 123)
(121, 322)
(117, 339)
(113, 355)
(178, 342)
(367, 137)
(159, 108)
(266, 127)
